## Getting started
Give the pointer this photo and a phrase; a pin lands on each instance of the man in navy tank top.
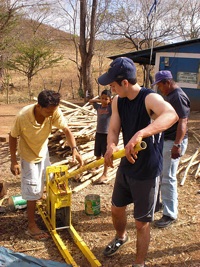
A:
(141, 114)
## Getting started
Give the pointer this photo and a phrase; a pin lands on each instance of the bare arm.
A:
(161, 112)
(94, 100)
(180, 133)
(113, 133)
(15, 168)
(163, 115)
(181, 130)
(72, 143)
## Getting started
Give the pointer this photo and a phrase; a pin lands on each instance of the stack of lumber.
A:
(82, 122)
(191, 165)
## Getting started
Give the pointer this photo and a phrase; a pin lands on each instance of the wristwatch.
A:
(177, 145)
(75, 147)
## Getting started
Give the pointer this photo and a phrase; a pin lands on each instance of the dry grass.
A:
(66, 72)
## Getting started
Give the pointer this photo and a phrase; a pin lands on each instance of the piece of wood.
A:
(197, 174)
(188, 167)
(78, 107)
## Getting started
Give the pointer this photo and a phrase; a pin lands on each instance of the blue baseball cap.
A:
(162, 75)
(120, 68)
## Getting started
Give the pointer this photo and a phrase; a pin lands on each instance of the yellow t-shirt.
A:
(33, 137)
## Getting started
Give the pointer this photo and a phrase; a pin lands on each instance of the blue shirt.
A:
(103, 117)
(181, 103)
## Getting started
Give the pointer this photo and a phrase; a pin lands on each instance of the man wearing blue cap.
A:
(175, 145)
(141, 114)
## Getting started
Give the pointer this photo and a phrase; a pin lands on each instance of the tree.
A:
(188, 19)
(69, 13)
(90, 15)
(132, 21)
(87, 49)
(90, 27)
(8, 20)
(29, 51)
(12, 19)
(32, 57)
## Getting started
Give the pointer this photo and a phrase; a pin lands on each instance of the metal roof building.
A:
(182, 59)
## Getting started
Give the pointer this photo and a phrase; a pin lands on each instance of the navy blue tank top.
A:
(134, 117)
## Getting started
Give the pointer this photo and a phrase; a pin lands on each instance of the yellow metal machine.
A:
(55, 210)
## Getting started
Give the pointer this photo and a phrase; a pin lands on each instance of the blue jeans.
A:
(169, 193)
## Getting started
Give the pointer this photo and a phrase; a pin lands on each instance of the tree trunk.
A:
(87, 77)
(87, 45)
(29, 89)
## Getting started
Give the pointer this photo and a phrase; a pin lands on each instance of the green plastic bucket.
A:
(92, 204)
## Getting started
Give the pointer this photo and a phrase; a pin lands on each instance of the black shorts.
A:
(100, 144)
(143, 193)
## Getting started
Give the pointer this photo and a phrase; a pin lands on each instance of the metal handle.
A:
(97, 163)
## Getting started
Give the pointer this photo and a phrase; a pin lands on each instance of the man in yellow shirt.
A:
(32, 127)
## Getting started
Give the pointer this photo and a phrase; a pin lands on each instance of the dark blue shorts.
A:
(142, 193)
(100, 144)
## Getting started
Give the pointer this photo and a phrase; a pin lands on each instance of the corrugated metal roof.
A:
(143, 56)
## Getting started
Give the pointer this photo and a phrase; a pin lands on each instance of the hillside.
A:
(63, 74)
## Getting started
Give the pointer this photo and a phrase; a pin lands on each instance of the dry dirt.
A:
(175, 246)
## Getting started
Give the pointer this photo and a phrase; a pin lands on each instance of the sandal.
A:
(115, 245)
(40, 236)
(102, 180)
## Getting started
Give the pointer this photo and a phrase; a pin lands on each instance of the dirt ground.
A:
(175, 246)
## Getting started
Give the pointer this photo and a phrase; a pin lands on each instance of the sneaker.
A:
(164, 222)
(115, 245)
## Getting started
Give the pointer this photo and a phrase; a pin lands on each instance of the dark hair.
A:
(48, 98)
(106, 92)
(132, 81)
